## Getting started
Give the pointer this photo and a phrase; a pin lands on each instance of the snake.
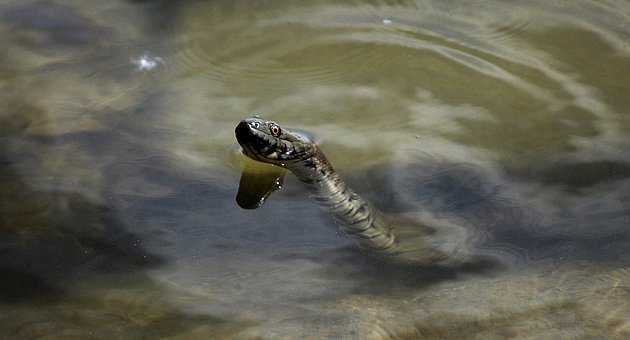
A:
(267, 142)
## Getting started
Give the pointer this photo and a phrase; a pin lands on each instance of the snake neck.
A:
(352, 213)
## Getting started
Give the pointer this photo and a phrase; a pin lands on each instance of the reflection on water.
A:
(492, 132)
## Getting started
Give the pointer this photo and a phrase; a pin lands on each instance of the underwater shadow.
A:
(575, 176)
(163, 14)
(71, 263)
(503, 229)
(390, 276)
(46, 27)
(49, 239)
(70, 267)
(505, 225)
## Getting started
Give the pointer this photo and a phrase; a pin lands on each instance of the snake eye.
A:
(275, 130)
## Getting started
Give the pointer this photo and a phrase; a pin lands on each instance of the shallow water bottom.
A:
(493, 132)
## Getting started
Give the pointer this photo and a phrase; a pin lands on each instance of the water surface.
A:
(494, 131)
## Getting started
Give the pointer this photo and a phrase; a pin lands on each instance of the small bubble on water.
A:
(146, 62)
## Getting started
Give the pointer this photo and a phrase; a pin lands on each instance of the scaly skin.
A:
(265, 141)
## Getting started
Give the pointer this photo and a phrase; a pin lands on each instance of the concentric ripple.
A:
(491, 134)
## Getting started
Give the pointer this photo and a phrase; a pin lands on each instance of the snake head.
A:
(267, 142)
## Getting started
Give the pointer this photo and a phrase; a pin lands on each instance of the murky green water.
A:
(502, 125)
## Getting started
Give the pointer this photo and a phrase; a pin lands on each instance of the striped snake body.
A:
(267, 142)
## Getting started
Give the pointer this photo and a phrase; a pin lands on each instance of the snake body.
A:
(267, 142)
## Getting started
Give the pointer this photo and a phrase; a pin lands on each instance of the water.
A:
(499, 128)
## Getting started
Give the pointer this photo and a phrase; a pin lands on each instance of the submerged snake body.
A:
(266, 142)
